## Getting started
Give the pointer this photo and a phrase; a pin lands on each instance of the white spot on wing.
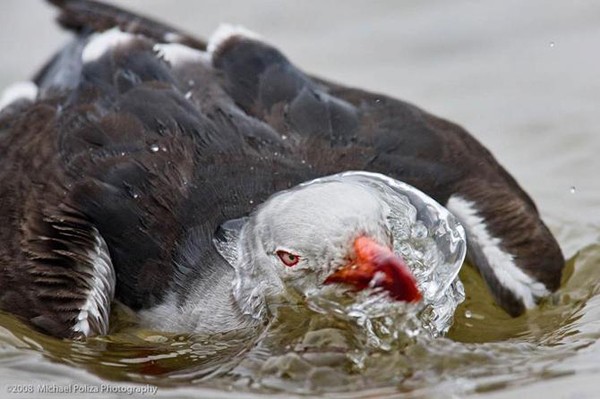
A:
(18, 91)
(172, 37)
(226, 31)
(177, 54)
(501, 262)
(102, 42)
(101, 282)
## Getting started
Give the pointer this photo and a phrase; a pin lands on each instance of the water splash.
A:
(425, 235)
(429, 239)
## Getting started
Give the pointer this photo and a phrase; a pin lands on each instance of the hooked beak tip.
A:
(377, 266)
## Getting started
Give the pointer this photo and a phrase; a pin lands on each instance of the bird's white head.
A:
(330, 231)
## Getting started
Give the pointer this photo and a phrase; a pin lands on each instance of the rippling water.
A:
(521, 76)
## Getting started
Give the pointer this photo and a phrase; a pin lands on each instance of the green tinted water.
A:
(306, 353)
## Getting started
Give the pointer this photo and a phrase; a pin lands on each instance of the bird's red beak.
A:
(377, 266)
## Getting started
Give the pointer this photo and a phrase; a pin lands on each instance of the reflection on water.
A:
(306, 352)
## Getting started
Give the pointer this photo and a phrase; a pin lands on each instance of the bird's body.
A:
(139, 145)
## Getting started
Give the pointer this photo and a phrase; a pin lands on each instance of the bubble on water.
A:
(154, 147)
(468, 314)
(419, 231)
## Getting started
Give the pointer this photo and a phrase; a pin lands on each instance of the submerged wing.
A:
(60, 277)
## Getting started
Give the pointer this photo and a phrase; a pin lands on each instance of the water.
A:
(489, 66)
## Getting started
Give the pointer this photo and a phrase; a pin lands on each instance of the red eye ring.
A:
(287, 258)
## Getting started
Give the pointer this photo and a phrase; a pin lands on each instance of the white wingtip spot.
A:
(226, 31)
(502, 263)
(99, 43)
(18, 91)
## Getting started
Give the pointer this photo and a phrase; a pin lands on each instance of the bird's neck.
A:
(207, 307)
(227, 293)
(213, 306)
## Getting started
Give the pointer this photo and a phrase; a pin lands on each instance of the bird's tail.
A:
(92, 16)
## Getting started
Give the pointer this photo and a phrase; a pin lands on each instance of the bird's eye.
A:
(287, 258)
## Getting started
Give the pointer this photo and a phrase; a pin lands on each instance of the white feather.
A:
(100, 43)
(18, 91)
(226, 31)
(101, 290)
(177, 54)
(502, 263)
(172, 37)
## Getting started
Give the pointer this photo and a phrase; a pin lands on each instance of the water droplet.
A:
(378, 100)
(419, 231)
(468, 314)
(188, 95)
(251, 202)
(122, 154)
(251, 167)
(191, 83)
(283, 137)
(552, 44)
(136, 196)
(276, 153)
(572, 190)
(154, 148)
(303, 161)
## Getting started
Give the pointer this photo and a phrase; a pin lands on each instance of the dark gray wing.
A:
(55, 267)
